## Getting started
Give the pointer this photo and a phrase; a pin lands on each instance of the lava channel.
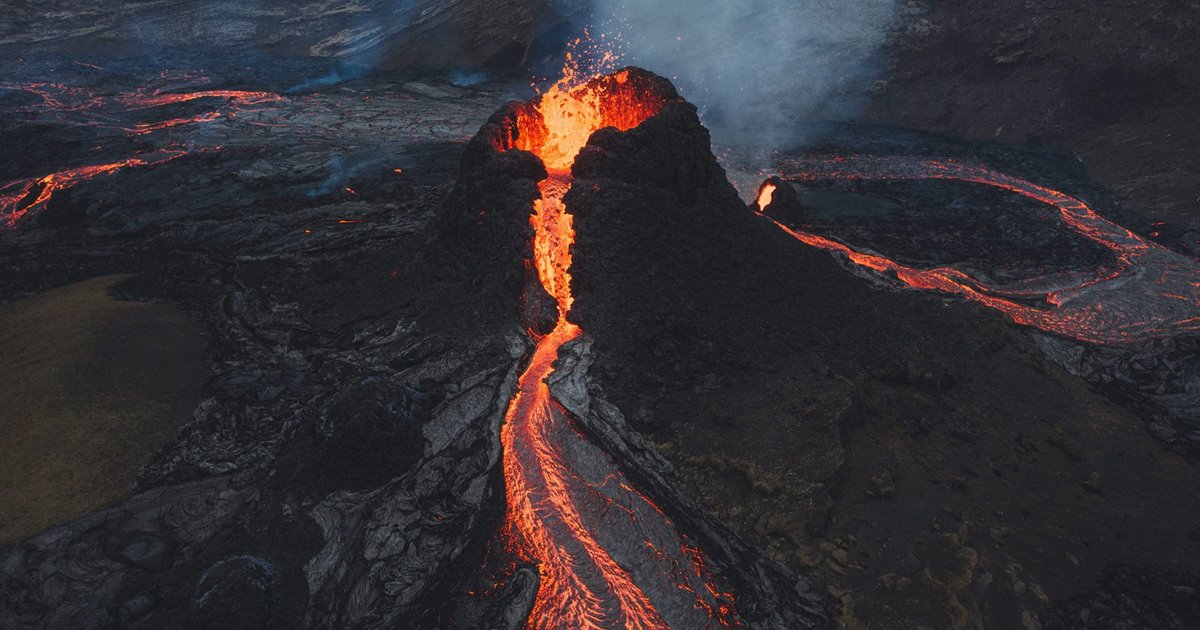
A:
(25, 197)
(1149, 291)
(607, 556)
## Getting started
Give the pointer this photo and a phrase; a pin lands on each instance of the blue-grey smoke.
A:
(340, 74)
(467, 78)
(341, 169)
(760, 71)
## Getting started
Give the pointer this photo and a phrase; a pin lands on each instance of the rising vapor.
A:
(758, 70)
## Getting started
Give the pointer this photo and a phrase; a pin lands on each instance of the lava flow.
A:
(85, 106)
(26, 196)
(1149, 291)
(599, 543)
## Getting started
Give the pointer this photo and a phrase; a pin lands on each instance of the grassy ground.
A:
(89, 388)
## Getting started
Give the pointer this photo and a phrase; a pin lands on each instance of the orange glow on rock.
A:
(1149, 291)
(552, 507)
(765, 195)
(142, 101)
(25, 197)
(577, 106)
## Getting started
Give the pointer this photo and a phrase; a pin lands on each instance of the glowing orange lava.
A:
(82, 105)
(26, 196)
(556, 515)
(765, 195)
(1150, 292)
(156, 99)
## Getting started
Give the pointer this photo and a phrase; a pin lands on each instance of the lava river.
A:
(1149, 291)
(607, 556)
(82, 106)
(26, 196)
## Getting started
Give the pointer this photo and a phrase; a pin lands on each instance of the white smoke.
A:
(759, 71)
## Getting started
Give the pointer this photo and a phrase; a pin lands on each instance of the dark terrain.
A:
(352, 264)
(1115, 82)
(873, 438)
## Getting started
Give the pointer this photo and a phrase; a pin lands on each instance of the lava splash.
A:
(1148, 292)
(607, 555)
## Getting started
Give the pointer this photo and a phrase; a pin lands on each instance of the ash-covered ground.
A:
(349, 265)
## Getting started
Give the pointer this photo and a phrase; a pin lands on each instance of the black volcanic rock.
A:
(349, 437)
(670, 152)
(1060, 73)
(490, 34)
(848, 431)
(483, 235)
(785, 204)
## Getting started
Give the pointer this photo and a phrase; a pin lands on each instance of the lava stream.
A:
(82, 106)
(157, 99)
(26, 196)
(1149, 292)
(570, 510)
(102, 110)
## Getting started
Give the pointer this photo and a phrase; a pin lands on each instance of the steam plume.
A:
(758, 70)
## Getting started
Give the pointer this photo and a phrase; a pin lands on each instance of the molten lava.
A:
(576, 107)
(576, 522)
(83, 106)
(26, 196)
(765, 195)
(1149, 292)
(157, 99)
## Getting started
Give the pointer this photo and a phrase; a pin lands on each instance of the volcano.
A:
(474, 362)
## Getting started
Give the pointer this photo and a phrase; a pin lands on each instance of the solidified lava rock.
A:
(766, 374)
(483, 233)
(489, 34)
(785, 204)
(359, 438)
(655, 215)
(357, 455)
(1132, 598)
(669, 152)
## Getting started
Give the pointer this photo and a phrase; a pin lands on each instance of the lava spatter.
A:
(1148, 292)
(570, 509)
